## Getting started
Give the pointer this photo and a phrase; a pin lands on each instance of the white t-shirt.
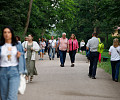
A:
(53, 42)
(8, 55)
(115, 56)
(82, 44)
(42, 45)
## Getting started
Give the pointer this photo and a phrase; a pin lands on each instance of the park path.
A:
(56, 83)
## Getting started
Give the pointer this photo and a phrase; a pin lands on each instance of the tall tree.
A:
(28, 17)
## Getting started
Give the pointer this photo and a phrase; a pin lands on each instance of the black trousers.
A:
(72, 56)
(93, 63)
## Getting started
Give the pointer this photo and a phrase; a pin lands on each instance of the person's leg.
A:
(58, 55)
(73, 56)
(53, 53)
(50, 53)
(64, 56)
(61, 57)
(40, 54)
(91, 65)
(14, 82)
(113, 64)
(95, 61)
(3, 83)
(70, 54)
(117, 70)
(43, 53)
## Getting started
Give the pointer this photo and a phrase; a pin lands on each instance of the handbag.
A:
(22, 86)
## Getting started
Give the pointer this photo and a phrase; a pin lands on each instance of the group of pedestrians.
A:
(114, 51)
(17, 58)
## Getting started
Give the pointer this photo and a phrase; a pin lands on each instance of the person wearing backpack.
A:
(92, 44)
(114, 51)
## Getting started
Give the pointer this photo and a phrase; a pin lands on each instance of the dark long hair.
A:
(14, 41)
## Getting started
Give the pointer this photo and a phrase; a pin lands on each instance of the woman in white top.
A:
(114, 51)
(42, 46)
(9, 71)
(82, 46)
(30, 48)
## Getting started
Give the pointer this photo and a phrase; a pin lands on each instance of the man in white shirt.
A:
(52, 47)
(94, 55)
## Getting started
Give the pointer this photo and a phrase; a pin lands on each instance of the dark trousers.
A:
(62, 56)
(115, 69)
(93, 63)
(58, 55)
(72, 56)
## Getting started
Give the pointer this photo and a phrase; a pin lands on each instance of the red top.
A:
(74, 45)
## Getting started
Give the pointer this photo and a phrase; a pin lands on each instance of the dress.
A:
(30, 64)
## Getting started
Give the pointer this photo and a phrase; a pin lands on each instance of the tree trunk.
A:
(28, 17)
(43, 32)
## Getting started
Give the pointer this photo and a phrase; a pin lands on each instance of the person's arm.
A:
(88, 45)
(77, 46)
(109, 53)
(35, 46)
(110, 50)
(68, 46)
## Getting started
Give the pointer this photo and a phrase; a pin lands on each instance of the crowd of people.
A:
(18, 58)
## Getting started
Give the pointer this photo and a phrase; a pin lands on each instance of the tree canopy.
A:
(81, 17)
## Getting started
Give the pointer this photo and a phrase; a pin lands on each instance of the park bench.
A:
(105, 58)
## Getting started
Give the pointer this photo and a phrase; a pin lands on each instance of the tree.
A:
(28, 17)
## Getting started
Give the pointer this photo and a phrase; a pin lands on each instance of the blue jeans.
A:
(93, 63)
(52, 53)
(62, 56)
(9, 83)
(72, 56)
(43, 50)
(115, 69)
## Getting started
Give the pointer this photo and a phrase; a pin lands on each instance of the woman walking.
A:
(82, 46)
(42, 46)
(73, 48)
(12, 64)
(114, 51)
(63, 48)
(30, 48)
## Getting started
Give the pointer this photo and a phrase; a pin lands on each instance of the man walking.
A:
(52, 46)
(63, 48)
(94, 55)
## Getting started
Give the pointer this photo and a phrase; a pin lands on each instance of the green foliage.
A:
(71, 16)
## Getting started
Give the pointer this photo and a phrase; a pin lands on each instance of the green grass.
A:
(106, 65)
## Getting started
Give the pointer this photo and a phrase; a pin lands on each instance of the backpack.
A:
(100, 46)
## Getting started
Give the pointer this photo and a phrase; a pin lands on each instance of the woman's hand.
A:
(77, 50)
(68, 51)
(18, 54)
(25, 50)
(31, 48)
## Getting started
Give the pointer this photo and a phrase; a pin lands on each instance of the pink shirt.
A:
(63, 44)
(75, 44)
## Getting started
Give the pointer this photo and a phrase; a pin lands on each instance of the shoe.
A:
(116, 80)
(72, 65)
(93, 78)
(62, 65)
(89, 75)
(50, 58)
